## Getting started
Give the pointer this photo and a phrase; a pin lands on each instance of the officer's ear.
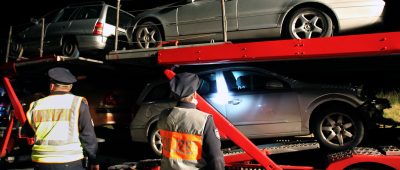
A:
(52, 86)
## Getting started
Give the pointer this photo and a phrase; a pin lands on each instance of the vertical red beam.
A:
(229, 130)
(18, 110)
(6, 139)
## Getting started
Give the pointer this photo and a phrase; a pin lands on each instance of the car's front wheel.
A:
(147, 35)
(307, 23)
(155, 140)
(338, 129)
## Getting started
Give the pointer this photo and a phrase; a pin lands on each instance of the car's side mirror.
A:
(35, 21)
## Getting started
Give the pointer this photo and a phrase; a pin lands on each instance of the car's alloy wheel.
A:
(155, 141)
(338, 130)
(308, 23)
(70, 48)
(147, 35)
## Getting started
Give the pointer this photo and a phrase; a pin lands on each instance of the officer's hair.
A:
(63, 86)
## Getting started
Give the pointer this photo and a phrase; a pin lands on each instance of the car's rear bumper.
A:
(91, 42)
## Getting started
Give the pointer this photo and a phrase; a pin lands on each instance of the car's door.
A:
(58, 28)
(213, 90)
(256, 14)
(32, 35)
(205, 16)
(261, 105)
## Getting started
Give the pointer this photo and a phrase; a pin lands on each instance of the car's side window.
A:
(51, 16)
(244, 81)
(159, 92)
(208, 84)
(65, 14)
(89, 12)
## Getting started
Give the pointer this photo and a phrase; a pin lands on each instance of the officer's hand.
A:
(94, 167)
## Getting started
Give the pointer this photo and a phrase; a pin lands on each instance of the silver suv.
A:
(84, 27)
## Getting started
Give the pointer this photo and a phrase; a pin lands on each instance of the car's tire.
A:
(337, 129)
(306, 23)
(16, 49)
(155, 140)
(147, 35)
(70, 48)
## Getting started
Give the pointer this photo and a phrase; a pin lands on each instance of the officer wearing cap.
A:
(189, 137)
(62, 127)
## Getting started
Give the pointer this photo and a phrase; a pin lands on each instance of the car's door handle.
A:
(234, 101)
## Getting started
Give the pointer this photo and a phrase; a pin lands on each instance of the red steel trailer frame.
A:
(365, 45)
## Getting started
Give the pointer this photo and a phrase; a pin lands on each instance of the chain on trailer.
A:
(250, 156)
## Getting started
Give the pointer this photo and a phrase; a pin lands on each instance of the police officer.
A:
(62, 127)
(189, 136)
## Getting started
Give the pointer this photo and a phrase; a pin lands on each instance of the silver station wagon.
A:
(85, 27)
(200, 20)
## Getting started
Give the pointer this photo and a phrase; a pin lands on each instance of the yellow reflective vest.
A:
(55, 122)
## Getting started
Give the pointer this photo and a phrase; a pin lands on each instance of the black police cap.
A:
(61, 75)
(184, 84)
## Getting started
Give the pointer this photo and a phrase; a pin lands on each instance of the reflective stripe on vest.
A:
(181, 131)
(55, 122)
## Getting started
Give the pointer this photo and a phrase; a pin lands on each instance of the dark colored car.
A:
(263, 104)
(84, 27)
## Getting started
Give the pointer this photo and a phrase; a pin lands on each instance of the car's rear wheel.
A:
(147, 35)
(338, 129)
(155, 140)
(307, 23)
(70, 48)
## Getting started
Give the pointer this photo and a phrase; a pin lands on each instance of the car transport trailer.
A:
(350, 46)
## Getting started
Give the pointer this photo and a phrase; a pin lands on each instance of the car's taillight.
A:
(98, 28)
(109, 100)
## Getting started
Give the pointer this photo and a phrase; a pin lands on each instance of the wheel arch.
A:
(150, 124)
(68, 37)
(325, 8)
(332, 105)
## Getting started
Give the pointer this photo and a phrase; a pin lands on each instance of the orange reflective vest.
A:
(181, 132)
(55, 122)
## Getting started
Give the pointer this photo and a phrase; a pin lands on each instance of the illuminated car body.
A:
(263, 104)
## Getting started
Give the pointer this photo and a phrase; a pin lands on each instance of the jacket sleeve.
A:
(87, 134)
(212, 153)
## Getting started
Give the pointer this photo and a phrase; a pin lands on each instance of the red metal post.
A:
(5, 142)
(18, 110)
